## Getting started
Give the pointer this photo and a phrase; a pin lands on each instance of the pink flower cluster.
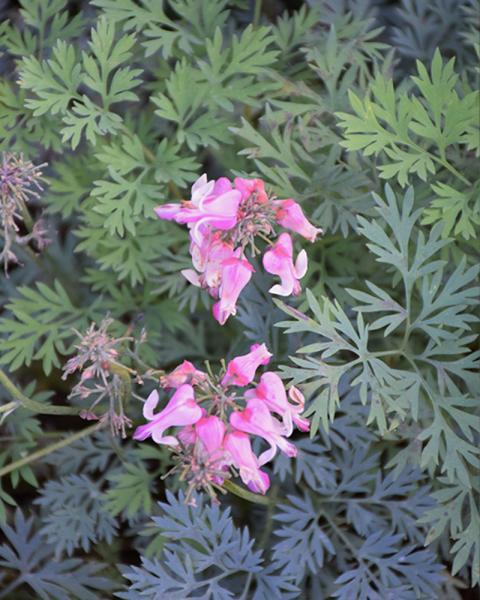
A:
(214, 419)
(224, 220)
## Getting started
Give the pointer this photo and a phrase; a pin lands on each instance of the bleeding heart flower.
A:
(247, 187)
(236, 274)
(238, 446)
(241, 370)
(180, 410)
(278, 261)
(210, 430)
(256, 419)
(272, 391)
(206, 208)
(290, 215)
(184, 373)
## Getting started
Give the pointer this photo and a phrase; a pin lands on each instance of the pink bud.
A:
(247, 187)
(290, 215)
(184, 373)
(241, 370)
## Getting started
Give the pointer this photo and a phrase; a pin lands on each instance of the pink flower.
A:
(290, 215)
(206, 208)
(241, 370)
(256, 419)
(208, 258)
(184, 373)
(272, 392)
(238, 446)
(236, 273)
(210, 430)
(180, 410)
(247, 187)
(279, 261)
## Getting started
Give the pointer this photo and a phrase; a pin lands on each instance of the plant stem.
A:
(241, 493)
(33, 405)
(49, 449)
(267, 532)
(449, 167)
(257, 12)
(7, 407)
(353, 549)
(148, 153)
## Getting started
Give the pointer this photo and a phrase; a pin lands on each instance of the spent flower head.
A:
(102, 375)
(20, 181)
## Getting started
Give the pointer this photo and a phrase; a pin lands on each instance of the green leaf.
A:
(54, 81)
(40, 326)
(384, 121)
(458, 211)
(130, 491)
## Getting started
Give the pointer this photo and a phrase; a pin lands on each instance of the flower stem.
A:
(242, 493)
(257, 12)
(33, 405)
(8, 407)
(49, 449)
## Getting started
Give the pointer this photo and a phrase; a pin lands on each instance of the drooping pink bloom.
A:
(180, 410)
(208, 258)
(184, 373)
(236, 274)
(241, 370)
(247, 187)
(219, 255)
(184, 211)
(272, 391)
(238, 446)
(256, 419)
(279, 261)
(210, 430)
(206, 208)
(290, 215)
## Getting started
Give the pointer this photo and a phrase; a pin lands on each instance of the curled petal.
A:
(180, 410)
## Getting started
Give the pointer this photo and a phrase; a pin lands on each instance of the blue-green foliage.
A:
(206, 556)
(29, 559)
(73, 517)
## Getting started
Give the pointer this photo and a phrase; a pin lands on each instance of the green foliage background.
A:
(128, 102)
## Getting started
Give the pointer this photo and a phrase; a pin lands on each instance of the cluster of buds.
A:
(214, 415)
(102, 376)
(20, 181)
(225, 220)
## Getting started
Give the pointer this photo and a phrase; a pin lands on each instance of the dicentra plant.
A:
(336, 229)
